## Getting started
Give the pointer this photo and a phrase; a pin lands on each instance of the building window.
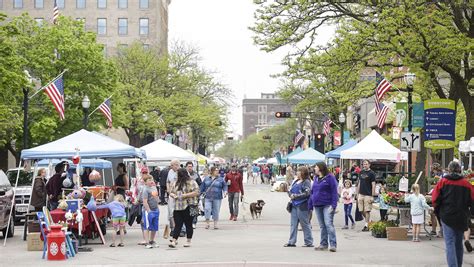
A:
(80, 4)
(262, 119)
(101, 3)
(122, 4)
(146, 46)
(17, 3)
(144, 26)
(39, 4)
(83, 20)
(122, 26)
(101, 26)
(262, 109)
(39, 21)
(60, 4)
(143, 4)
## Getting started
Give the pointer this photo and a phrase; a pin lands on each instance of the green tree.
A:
(45, 51)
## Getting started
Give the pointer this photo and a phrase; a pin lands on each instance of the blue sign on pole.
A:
(346, 137)
(440, 123)
(418, 115)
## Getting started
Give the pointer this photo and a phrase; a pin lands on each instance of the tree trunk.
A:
(135, 139)
(15, 153)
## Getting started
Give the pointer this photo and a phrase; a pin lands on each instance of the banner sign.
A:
(418, 115)
(337, 138)
(440, 123)
(346, 136)
(401, 114)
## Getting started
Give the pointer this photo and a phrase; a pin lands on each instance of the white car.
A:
(280, 184)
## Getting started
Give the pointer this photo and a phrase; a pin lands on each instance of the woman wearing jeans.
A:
(185, 192)
(324, 199)
(299, 194)
(214, 188)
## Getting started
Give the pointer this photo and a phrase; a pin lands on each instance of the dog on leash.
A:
(256, 208)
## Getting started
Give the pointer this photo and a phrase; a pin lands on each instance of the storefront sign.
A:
(440, 123)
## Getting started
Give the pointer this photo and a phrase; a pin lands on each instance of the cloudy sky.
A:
(219, 28)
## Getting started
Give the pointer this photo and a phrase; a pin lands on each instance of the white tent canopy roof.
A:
(90, 145)
(160, 150)
(373, 146)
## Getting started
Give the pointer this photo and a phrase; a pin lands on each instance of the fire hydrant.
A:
(56, 244)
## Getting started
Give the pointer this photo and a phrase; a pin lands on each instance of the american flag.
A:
(327, 126)
(55, 91)
(382, 115)
(382, 86)
(298, 137)
(55, 12)
(105, 108)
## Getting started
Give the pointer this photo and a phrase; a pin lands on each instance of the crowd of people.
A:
(189, 195)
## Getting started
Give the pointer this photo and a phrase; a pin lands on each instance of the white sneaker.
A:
(187, 244)
(154, 244)
(194, 226)
(149, 246)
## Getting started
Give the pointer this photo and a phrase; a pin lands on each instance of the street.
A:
(249, 242)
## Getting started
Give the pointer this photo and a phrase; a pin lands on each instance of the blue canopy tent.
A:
(308, 156)
(284, 159)
(336, 153)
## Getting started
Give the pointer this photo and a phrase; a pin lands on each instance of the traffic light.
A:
(281, 114)
(319, 142)
(267, 137)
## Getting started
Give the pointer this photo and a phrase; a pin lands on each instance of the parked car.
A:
(6, 202)
(22, 192)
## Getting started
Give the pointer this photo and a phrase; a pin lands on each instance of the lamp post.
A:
(86, 103)
(177, 134)
(410, 80)
(26, 91)
(342, 119)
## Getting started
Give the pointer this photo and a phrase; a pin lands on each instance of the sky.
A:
(219, 29)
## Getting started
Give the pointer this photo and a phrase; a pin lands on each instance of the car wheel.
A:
(11, 230)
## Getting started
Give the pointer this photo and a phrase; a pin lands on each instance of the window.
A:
(146, 46)
(39, 21)
(80, 4)
(143, 26)
(83, 20)
(17, 3)
(101, 3)
(60, 4)
(39, 4)
(262, 109)
(122, 4)
(101, 26)
(144, 4)
(122, 26)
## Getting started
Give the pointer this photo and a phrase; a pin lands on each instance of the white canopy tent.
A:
(164, 152)
(374, 147)
(467, 147)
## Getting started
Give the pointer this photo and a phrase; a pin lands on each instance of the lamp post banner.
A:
(440, 123)
(418, 115)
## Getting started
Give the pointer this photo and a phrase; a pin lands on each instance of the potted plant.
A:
(378, 229)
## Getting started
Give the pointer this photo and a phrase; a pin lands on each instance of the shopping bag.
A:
(403, 184)
(358, 214)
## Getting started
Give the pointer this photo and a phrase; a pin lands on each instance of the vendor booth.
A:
(79, 146)
(374, 147)
(307, 156)
(162, 152)
(336, 153)
(284, 160)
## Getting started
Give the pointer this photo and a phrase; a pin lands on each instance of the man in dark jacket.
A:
(55, 185)
(163, 177)
(452, 198)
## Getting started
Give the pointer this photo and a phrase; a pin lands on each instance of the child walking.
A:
(418, 205)
(382, 204)
(151, 213)
(348, 197)
(117, 208)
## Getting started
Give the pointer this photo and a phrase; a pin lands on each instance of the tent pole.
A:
(103, 177)
(13, 202)
(470, 160)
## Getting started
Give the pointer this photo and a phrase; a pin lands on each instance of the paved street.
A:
(250, 243)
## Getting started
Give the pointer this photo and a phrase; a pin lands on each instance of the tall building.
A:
(116, 22)
(259, 114)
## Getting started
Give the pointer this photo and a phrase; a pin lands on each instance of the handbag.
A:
(358, 214)
(194, 210)
(289, 206)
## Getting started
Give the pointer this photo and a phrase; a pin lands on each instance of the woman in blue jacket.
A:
(324, 199)
(299, 195)
(214, 189)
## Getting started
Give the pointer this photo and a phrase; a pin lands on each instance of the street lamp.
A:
(410, 80)
(86, 103)
(26, 91)
(342, 119)
(178, 134)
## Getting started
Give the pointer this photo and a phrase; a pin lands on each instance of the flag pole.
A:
(100, 105)
(42, 88)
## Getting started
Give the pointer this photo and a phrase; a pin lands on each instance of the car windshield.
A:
(25, 178)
